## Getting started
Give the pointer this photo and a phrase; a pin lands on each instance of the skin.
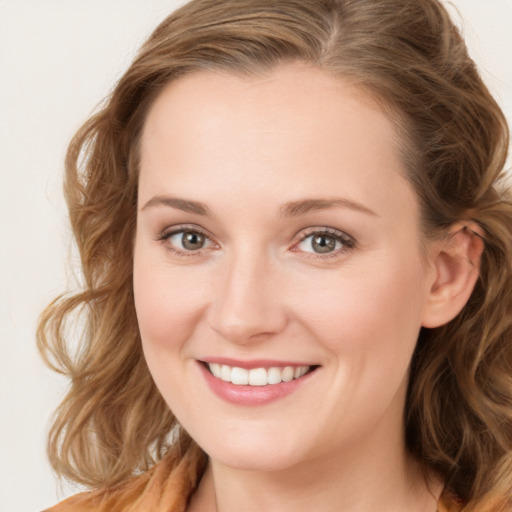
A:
(245, 147)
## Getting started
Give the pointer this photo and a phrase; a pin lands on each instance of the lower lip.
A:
(251, 396)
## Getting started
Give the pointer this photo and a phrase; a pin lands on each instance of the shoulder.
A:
(83, 502)
(448, 502)
(164, 488)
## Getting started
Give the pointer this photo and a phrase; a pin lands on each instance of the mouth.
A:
(258, 377)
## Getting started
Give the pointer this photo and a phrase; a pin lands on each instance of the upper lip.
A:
(254, 363)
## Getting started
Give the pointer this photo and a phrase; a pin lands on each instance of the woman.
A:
(296, 249)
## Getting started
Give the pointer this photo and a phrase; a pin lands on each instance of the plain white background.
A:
(58, 59)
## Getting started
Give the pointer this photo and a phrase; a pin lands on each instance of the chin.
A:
(253, 455)
(261, 463)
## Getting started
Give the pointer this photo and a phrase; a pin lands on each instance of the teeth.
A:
(287, 374)
(239, 376)
(300, 371)
(215, 369)
(256, 376)
(225, 373)
(274, 376)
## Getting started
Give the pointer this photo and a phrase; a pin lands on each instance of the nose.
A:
(247, 304)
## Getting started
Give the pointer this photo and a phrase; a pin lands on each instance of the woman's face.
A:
(277, 239)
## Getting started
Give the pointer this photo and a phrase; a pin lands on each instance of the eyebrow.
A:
(290, 209)
(296, 208)
(185, 205)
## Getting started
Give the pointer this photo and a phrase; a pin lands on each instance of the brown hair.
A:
(409, 55)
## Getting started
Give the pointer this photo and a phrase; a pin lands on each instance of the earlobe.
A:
(456, 267)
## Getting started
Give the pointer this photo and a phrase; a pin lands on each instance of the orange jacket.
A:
(165, 488)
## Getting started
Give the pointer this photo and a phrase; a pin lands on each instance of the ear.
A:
(456, 267)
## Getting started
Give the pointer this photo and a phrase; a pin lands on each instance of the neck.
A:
(364, 477)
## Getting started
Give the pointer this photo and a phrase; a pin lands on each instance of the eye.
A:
(186, 241)
(325, 242)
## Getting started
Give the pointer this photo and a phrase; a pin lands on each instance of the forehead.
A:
(294, 126)
(267, 100)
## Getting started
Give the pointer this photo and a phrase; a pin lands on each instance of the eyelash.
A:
(347, 242)
(165, 236)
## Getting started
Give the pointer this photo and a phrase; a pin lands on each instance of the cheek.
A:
(168, 303)
(369, 323)
(374, 311)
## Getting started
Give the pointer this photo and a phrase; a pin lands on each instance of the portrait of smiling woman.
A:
(296, 242)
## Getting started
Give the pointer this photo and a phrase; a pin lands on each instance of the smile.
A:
(256, 376)
(259, 383)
